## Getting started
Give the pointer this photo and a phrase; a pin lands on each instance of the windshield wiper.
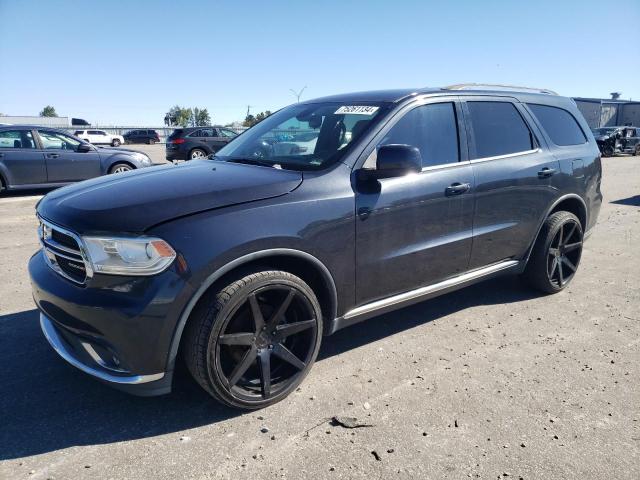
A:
(250, 161)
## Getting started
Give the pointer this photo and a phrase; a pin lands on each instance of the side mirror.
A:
(84, 148)
(394, 161)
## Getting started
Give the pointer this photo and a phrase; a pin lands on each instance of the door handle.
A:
(546, 172)
(456, 189)
(52, 155)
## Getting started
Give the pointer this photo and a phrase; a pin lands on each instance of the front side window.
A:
(304, 136)
(560, 125)
(16, 139)
(227, 133)
(431, 128)
(57, 141)
(498, 129)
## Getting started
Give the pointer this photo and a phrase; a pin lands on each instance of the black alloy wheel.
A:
(564, 253)
(556, 254)
(257, 342)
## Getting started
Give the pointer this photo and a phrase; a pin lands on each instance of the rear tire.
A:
(197, 154)
(150, 141)
(636, 152)
(116, 143)
(251, 344)
(556, 254)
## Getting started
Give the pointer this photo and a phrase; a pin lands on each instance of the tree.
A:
(200, 118)
(178, 116)
(48, 111)
(184, 117)
(250, 120)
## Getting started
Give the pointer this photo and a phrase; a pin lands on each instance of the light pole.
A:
(297, 94)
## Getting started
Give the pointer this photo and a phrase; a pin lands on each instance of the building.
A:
(601, 112)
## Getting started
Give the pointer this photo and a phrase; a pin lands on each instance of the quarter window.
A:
(561, 126)
(16, 139)
(432, 129)
(498, 129)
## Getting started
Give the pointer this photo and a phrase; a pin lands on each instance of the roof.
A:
(398, 95)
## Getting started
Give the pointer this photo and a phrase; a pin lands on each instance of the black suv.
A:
(326, 213)
(197, 142)
(142, 136)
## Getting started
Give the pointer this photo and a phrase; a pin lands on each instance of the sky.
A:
(121, 62)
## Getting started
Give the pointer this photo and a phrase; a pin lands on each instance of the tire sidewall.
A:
(226, 312)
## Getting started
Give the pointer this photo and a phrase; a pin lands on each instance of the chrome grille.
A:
(64, 253)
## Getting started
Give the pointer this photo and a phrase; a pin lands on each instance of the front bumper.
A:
(116, 329)
(64, 347)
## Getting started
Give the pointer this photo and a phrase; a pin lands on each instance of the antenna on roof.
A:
(496, 86)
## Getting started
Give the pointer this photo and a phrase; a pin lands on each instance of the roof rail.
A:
(481, 86)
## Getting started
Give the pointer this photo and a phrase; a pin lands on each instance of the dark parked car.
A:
(141, 136)
(240, 264)
(197, 142)
(35, 157)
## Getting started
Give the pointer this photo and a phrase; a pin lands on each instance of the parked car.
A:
(612, 140)
(197, 142)
(629, 141)
(39, 157)
(142, 136)
(98, 137)
(240, 264)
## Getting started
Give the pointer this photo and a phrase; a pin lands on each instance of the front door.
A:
(64, 162)
(514, 178)
(23, 161)
(416, 230)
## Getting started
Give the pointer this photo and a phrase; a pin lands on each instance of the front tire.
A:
(251, 344)
(556, 254)
(120, 168)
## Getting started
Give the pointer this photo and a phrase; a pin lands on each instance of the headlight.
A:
(129, 256)
(141, 157)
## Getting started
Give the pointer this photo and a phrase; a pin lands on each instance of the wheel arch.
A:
(570, 203)
(297, 262)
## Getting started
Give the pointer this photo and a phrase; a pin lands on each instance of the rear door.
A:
(21, 160)
(64, 162)
(513, 174)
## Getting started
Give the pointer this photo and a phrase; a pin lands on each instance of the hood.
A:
(137, 200)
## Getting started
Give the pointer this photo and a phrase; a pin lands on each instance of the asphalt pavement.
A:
(494, 381)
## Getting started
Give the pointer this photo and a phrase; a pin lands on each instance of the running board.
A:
(379, 307)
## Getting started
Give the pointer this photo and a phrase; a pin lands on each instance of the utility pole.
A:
(297, 94)
(248, 108)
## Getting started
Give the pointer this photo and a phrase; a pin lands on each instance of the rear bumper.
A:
(177, 154)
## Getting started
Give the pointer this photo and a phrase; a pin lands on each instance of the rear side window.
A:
(498, 129)
(432, 129)
(16, 139)
(561, 126)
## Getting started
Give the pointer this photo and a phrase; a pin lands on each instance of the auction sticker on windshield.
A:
(356, 110)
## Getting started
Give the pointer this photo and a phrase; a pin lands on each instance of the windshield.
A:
(303, 137)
